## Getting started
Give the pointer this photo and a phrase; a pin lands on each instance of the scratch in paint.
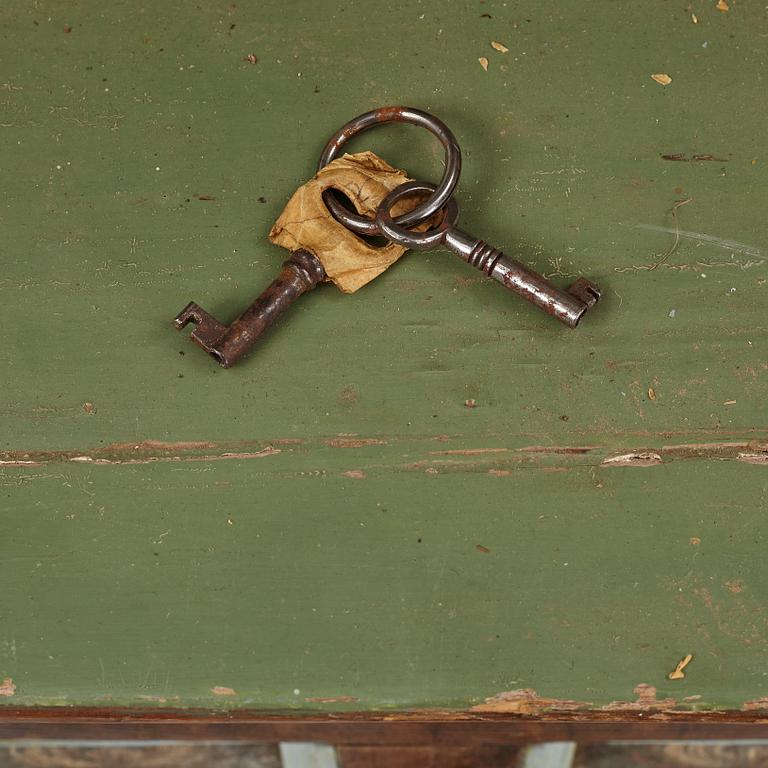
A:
(729, 245)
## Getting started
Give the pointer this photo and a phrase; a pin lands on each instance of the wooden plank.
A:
(441, 729)
(429, 756)
(329, 526)
(702, 755)
(135, 755)
(368, 601)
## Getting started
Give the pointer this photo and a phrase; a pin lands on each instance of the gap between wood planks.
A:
(378, 454)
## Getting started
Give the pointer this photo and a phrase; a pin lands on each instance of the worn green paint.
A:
(280, 573)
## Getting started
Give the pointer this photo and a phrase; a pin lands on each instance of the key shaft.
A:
(227, 344)
(567, 306)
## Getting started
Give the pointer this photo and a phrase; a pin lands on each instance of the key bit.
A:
(567, 306)
(300, 273)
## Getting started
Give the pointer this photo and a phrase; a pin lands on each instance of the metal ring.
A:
(416, 241)
(442, 192)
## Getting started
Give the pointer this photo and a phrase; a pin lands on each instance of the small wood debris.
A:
(251, 58)
(89, 407)
(694, 541)
(678, 674)
(470, 403)
(694, 18)
(223, 690)
(500, 47)
(481, 548)
(729, 402)
(662, 79)
(483, 63)
(722, 6)
(7, 687)
(651, 393)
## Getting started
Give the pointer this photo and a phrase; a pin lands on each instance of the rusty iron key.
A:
(300, 273)
(567, 306)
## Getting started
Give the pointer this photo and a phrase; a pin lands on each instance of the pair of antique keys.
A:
(303, 270)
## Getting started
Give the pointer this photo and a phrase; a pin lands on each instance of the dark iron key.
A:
(299, 274)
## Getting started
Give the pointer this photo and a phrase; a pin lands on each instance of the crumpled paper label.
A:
(349, 261)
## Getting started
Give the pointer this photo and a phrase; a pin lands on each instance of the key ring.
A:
(415, 241)
(440, 194)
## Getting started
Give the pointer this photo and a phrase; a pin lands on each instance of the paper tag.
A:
(349, 261)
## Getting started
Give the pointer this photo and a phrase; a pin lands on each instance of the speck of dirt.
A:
(418, 541)
(89, 407)
(695, 541)
(181, 352)
(349, 395)
(470, 403)
(262, 199)
(563, 418)
(486, 16)
(67, 29)
(251, 58)
(180, 376)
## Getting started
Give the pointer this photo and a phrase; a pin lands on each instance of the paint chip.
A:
(640, 459)
(678, 674)
(483, 63)
(722, 6)
(662, 79)
(526, 701)
(332, 699)
(7, 687)
(222, 690)
(500, 47)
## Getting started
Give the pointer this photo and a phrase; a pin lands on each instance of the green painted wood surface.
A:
(306, 526)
